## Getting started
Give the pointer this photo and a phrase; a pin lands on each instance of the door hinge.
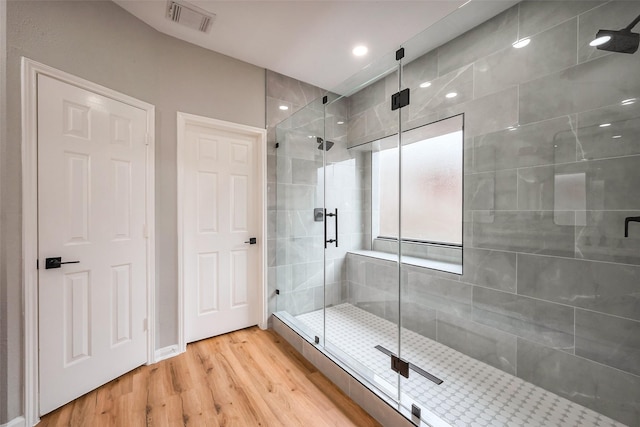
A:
(37, 264)
(145, 324)
(145, 231)
(400, 366)
(400, 99)
(147, 139)
(399, 54)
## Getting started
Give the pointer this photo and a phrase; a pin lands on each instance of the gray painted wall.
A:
(101, 42)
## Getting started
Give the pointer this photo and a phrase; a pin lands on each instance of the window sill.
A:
(409, 260)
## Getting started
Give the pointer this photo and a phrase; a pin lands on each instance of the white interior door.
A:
(91, 209)
(221, 213)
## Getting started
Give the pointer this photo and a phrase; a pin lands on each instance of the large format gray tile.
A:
(490, 113)
(478, 341)
(537, 16)
(366, 98)
(548, 233)
(543, 143)
(421, 70)
(381, 121)
(594, 84)
(491, 269)
(382, 275)
(304, 171)
(618, 139)
(275, 115)
(294, 197)
(602, 238)
(604, 287)
(606, 390)
(446, 296)
(613, 15)
(288, 89)
(491, 36)
(550, 51)
(610, 184)
(539, 321)
(426, 101)
(491, 190)
(419, 319)
(609, 340)
(356, 129)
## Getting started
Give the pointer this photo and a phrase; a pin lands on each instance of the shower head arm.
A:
(629, 27)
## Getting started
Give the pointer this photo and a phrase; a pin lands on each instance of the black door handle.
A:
(325, 227)
(56, 262)
(627, 220)
(252, 241)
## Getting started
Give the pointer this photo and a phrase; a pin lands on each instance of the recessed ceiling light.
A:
(311, 137)
(521, 43)
(599, 41)
(340, 122)
(512, 128)
(360, 50)
(629, 101)
(616, 136)
(283, 107)
(425, 84)
(605, 125)
(451, 95)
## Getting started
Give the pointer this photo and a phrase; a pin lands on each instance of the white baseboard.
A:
(167, 352)
(16, 422)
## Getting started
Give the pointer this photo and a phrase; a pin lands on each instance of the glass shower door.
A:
(361, 285)
(299, 220)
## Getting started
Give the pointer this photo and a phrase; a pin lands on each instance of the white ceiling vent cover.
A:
(190, 16)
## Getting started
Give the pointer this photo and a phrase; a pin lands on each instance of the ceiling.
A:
(305, 39)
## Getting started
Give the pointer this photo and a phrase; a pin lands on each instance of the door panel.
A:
(91, 209)
(221, 213)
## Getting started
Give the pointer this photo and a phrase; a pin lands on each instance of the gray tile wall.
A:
(551, 287)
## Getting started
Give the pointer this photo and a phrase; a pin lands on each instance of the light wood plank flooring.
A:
(246, 378)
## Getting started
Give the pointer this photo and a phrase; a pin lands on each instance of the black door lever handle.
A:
(56, 262)
(627, 220)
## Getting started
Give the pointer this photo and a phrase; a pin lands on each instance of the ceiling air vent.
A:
(190, 16)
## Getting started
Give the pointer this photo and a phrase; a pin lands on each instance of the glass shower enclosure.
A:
(455, 224)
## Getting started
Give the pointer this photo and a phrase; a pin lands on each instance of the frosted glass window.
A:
(431, 186)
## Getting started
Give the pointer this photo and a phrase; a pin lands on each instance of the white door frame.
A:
(184, 119)
(30, 72)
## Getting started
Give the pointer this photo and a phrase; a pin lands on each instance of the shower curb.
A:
(375, 405)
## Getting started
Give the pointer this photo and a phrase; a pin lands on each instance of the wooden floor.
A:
(246, 378)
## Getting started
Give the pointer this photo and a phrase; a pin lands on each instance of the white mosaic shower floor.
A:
(472, 394)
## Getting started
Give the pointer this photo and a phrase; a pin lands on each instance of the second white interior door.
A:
(221, 214)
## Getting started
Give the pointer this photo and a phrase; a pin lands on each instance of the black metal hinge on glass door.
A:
(400, 366)
(400, 99)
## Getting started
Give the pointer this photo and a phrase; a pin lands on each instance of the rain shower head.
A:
(622, 41)
(321, 146)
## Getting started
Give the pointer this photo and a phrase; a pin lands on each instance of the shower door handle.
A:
(626, 223)
(325, 228)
